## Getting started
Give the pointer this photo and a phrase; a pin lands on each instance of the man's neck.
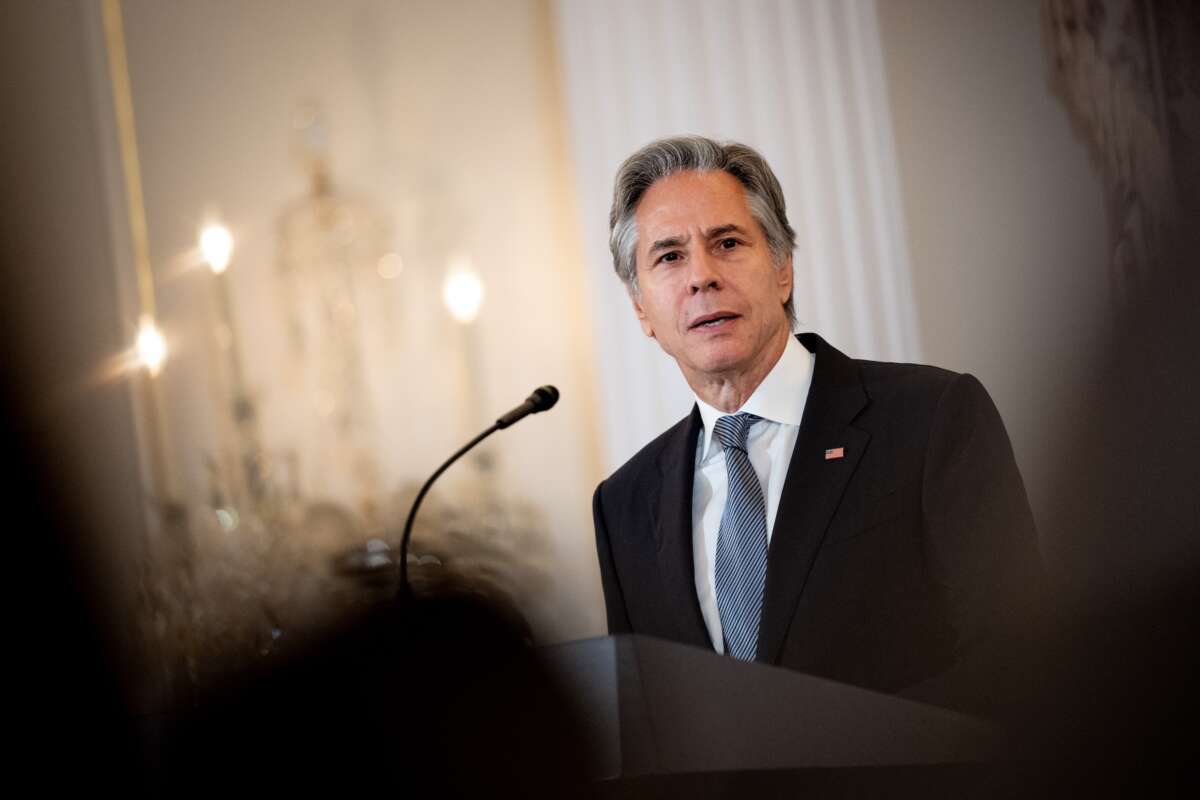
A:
(729, 392)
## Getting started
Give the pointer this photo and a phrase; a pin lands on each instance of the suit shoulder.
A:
(917, 391)
(882, 378)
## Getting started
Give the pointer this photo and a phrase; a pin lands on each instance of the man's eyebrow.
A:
(669, 242)
(721, 230)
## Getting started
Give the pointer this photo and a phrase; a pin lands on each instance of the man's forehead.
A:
(691, 201)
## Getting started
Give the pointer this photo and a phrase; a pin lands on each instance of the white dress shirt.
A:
(779, 400)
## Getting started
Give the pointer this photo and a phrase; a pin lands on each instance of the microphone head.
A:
(543, 398)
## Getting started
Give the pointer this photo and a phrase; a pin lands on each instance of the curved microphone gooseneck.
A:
(542, 399)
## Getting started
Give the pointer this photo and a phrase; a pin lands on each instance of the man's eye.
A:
(729, 243)
(668, 257)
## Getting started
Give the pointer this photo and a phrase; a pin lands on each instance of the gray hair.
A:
(666, 157)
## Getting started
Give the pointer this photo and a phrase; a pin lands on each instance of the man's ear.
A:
(647, 328)
(783, 277)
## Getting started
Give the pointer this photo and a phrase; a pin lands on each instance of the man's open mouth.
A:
(712, 320)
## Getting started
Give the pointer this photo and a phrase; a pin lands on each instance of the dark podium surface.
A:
(663, 718)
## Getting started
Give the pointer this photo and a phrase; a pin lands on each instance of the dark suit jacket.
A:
(886, 567)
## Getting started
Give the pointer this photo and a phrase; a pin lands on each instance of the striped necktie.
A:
(741, 564)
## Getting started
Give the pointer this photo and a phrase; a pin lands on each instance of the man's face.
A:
(709, 292)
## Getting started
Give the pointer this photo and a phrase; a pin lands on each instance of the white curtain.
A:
(801, 81)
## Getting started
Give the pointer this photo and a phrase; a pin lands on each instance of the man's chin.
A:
(716, 361)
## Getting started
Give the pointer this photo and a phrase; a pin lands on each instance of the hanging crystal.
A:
(332, 256)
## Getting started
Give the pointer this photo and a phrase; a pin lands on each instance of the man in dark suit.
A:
(856, 520)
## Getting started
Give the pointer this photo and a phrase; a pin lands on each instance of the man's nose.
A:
(703, 273)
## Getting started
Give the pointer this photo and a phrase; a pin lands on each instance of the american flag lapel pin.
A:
(835, 452)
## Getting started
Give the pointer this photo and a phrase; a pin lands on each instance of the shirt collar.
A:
(779, 398)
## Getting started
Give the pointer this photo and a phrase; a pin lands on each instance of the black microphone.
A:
(542, 399)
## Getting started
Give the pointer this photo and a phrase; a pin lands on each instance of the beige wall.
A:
(1004, 211)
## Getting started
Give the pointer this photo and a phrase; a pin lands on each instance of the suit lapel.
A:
(813, 487)
(672, 509)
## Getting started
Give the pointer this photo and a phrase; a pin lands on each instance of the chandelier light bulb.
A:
(216, 245)
(462, 292)
(150, 346)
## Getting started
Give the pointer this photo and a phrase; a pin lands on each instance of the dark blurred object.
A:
(373, 565)
(74, 512)
(441, 695)
(68, 702)
(1112, 705)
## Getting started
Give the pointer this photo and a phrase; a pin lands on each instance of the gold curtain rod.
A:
(164, 488)
(118, 70)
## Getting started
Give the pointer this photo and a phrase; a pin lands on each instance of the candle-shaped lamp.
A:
(150, 346)
(216, 247)
(462, 292)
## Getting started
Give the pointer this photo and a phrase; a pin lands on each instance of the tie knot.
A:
(733, 430)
